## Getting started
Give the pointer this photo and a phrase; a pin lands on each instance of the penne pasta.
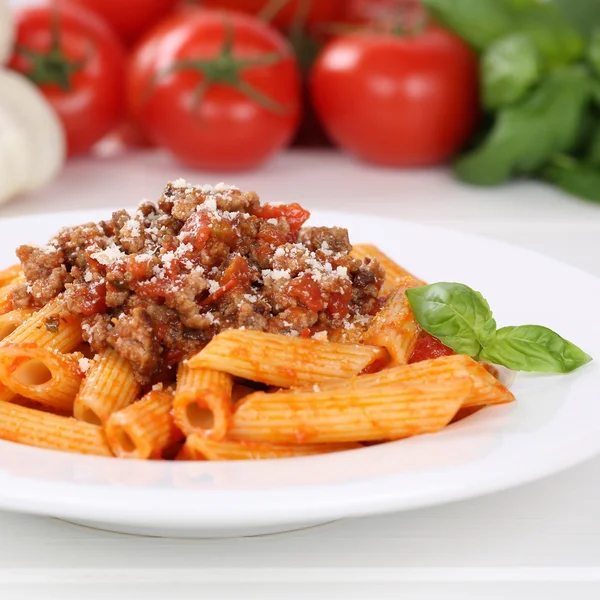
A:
(6, 394)
(487, 390)
(6, 303)
(394, 273)
(51, 327)
(203, 402)
(394, 327)
(109, 386)
(385, 412)
(41, 374)
(283, 361)
(11, 320)
(7, 276)
(44, 430)
(200, 448)
(143, 429)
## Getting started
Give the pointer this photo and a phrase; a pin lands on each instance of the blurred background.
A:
(495, 89)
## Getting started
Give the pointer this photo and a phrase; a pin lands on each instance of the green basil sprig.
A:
(461, 319)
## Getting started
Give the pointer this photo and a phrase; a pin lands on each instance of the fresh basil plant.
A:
(461, 319)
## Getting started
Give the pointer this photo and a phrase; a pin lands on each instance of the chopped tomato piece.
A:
(338, 303)
(294, 214)
(93, 299)
(270, 235)
(237, 272)
(197, 230)
(224, 231)
(214, 297)
(428, 347)
(308, 292)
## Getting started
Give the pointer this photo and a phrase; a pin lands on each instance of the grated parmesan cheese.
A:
(84, 364)
(180, 183)
(109, 256)
(276, 274)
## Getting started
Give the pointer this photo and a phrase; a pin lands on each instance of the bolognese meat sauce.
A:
(158, 284)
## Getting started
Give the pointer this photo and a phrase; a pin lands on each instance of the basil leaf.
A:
(593, 156)
(478, 22)
(455, 314)
(529, 134)
(575, 177)
(482, 22)
(583, 14)
(509, 68)
(594, 50)
(535, 349)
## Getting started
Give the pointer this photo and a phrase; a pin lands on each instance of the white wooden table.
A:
(542, 540)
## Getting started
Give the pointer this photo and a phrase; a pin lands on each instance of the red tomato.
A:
(284, 13)
(130, 19)
(428, 347)
(408, 12)
(78, 64)
(398, 100)
(220, 90)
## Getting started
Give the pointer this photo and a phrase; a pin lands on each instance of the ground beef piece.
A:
(275, 292)
(237, 201)
(134, 339)
(131, 236)
(116, 297)
(74, 241)
(20, 297)
(182, 202)
(112, 227)
(178, 340)
(336, 238)
(96, 331)
(183, 300)
(367, 280)
(45, 269)
(248, 228)
(250, 318)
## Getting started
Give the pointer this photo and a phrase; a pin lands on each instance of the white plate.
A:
(554, 424)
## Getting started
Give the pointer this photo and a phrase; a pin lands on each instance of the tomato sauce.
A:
(428, 347)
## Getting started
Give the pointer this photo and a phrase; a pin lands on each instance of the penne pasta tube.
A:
(394, 273)
(6, 303)
(44, 430)
(200, 448)
(7, 276)
(108, 387)
(143, 429)
(394, 327)
(386, 412)
(40, 374)
(51, 327)
(11, 320)
(203, 402)
(6, 394)
(487, 390)
(283, 361)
